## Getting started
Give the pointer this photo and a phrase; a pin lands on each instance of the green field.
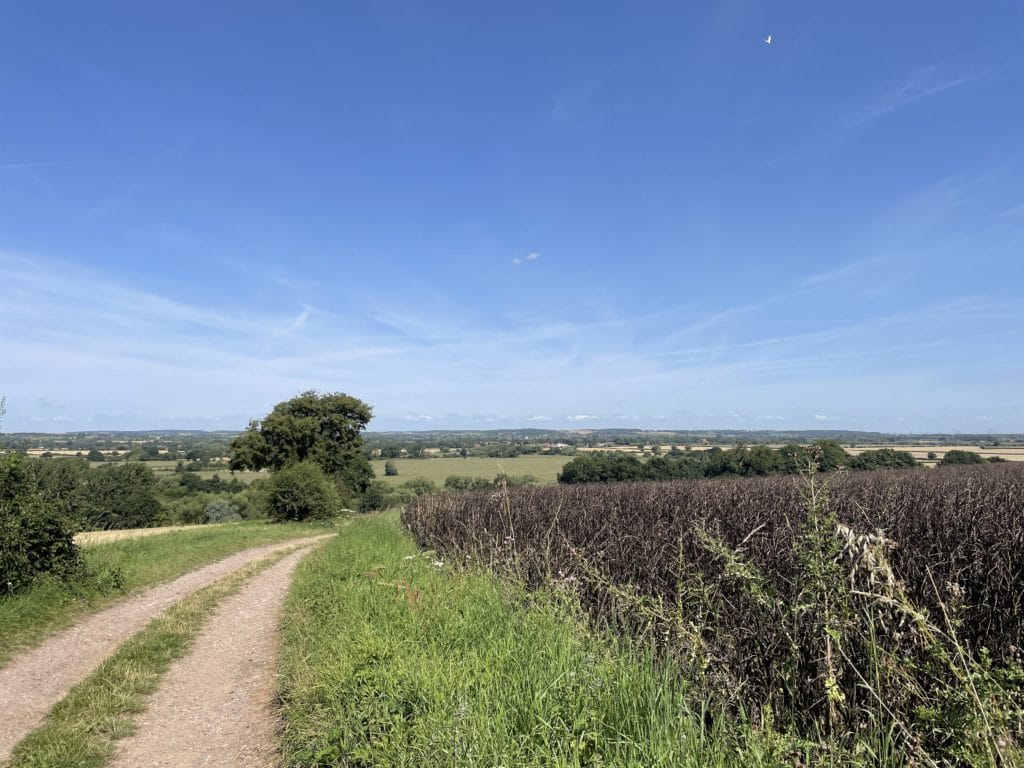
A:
(544, 468)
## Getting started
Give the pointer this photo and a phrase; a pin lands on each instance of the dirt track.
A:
(213, 708)
(32, 682)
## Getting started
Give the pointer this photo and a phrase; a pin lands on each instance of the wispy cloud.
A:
(531, 256)
(134, 355)
(845, 271)
(919, 85)
(53, 164)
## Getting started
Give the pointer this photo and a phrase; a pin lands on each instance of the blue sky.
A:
(519, 214)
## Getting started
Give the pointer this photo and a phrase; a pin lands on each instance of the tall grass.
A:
(391, 658)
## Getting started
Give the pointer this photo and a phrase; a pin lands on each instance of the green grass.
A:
(544, 468)
(81, 730)
(120, 567)
(389, 660)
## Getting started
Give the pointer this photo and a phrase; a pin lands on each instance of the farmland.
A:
(544, 468)
(814, 600)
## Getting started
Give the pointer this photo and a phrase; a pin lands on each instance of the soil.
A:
(215, 705)
(32, 682)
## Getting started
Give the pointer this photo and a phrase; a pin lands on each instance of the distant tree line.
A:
(740, 461)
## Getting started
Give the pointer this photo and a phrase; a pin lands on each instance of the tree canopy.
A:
(320, 428)
(958, 456)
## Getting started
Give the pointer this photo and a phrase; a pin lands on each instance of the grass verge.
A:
(390, 659)
(81, 731)
(121, 567)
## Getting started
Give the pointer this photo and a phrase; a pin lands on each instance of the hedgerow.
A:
(36, 537)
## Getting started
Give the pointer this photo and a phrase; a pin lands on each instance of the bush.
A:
(381, 495)
(601, 468)
(302, 492)
(958, 457)
(221, 511)
(120, 496)
(883, 458)
(512, 481)
(35, 537)
(420, 486)
(390, 469)
(464, 483)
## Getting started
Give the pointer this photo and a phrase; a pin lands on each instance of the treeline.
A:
(129, 495)
(382, 495)
(458, 448)
(742, 461)
(106, 446)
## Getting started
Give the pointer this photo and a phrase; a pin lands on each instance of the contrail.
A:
(15, 166)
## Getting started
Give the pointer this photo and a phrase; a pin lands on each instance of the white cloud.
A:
(138, 356)
(531, 256)
(820, 417)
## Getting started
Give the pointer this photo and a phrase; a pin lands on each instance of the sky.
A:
(529, 214)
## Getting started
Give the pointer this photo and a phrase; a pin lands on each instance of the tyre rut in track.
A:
(33, 681)
(214, 706)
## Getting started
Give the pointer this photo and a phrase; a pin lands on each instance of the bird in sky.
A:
(768, 40)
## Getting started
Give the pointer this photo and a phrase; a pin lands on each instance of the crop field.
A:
(91, 538)
(877, 611)
(920, 452)
(544, 468)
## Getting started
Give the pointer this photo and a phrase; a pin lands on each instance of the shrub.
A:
(957, 457)
(420, 486)
(464, 483)
(120, 496)
(390, 469)
(252, 502)
(35, 537)
(382, 495)
(601, 468)
(883, 458)
(221, 511)
(302, 492)
(503, 479)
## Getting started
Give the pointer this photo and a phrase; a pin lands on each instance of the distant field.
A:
(920, 452)
(544, 468)
(88, 538)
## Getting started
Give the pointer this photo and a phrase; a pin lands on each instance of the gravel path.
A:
(214, 706)
(32, 682)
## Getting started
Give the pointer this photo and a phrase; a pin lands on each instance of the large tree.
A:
(321, 428)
